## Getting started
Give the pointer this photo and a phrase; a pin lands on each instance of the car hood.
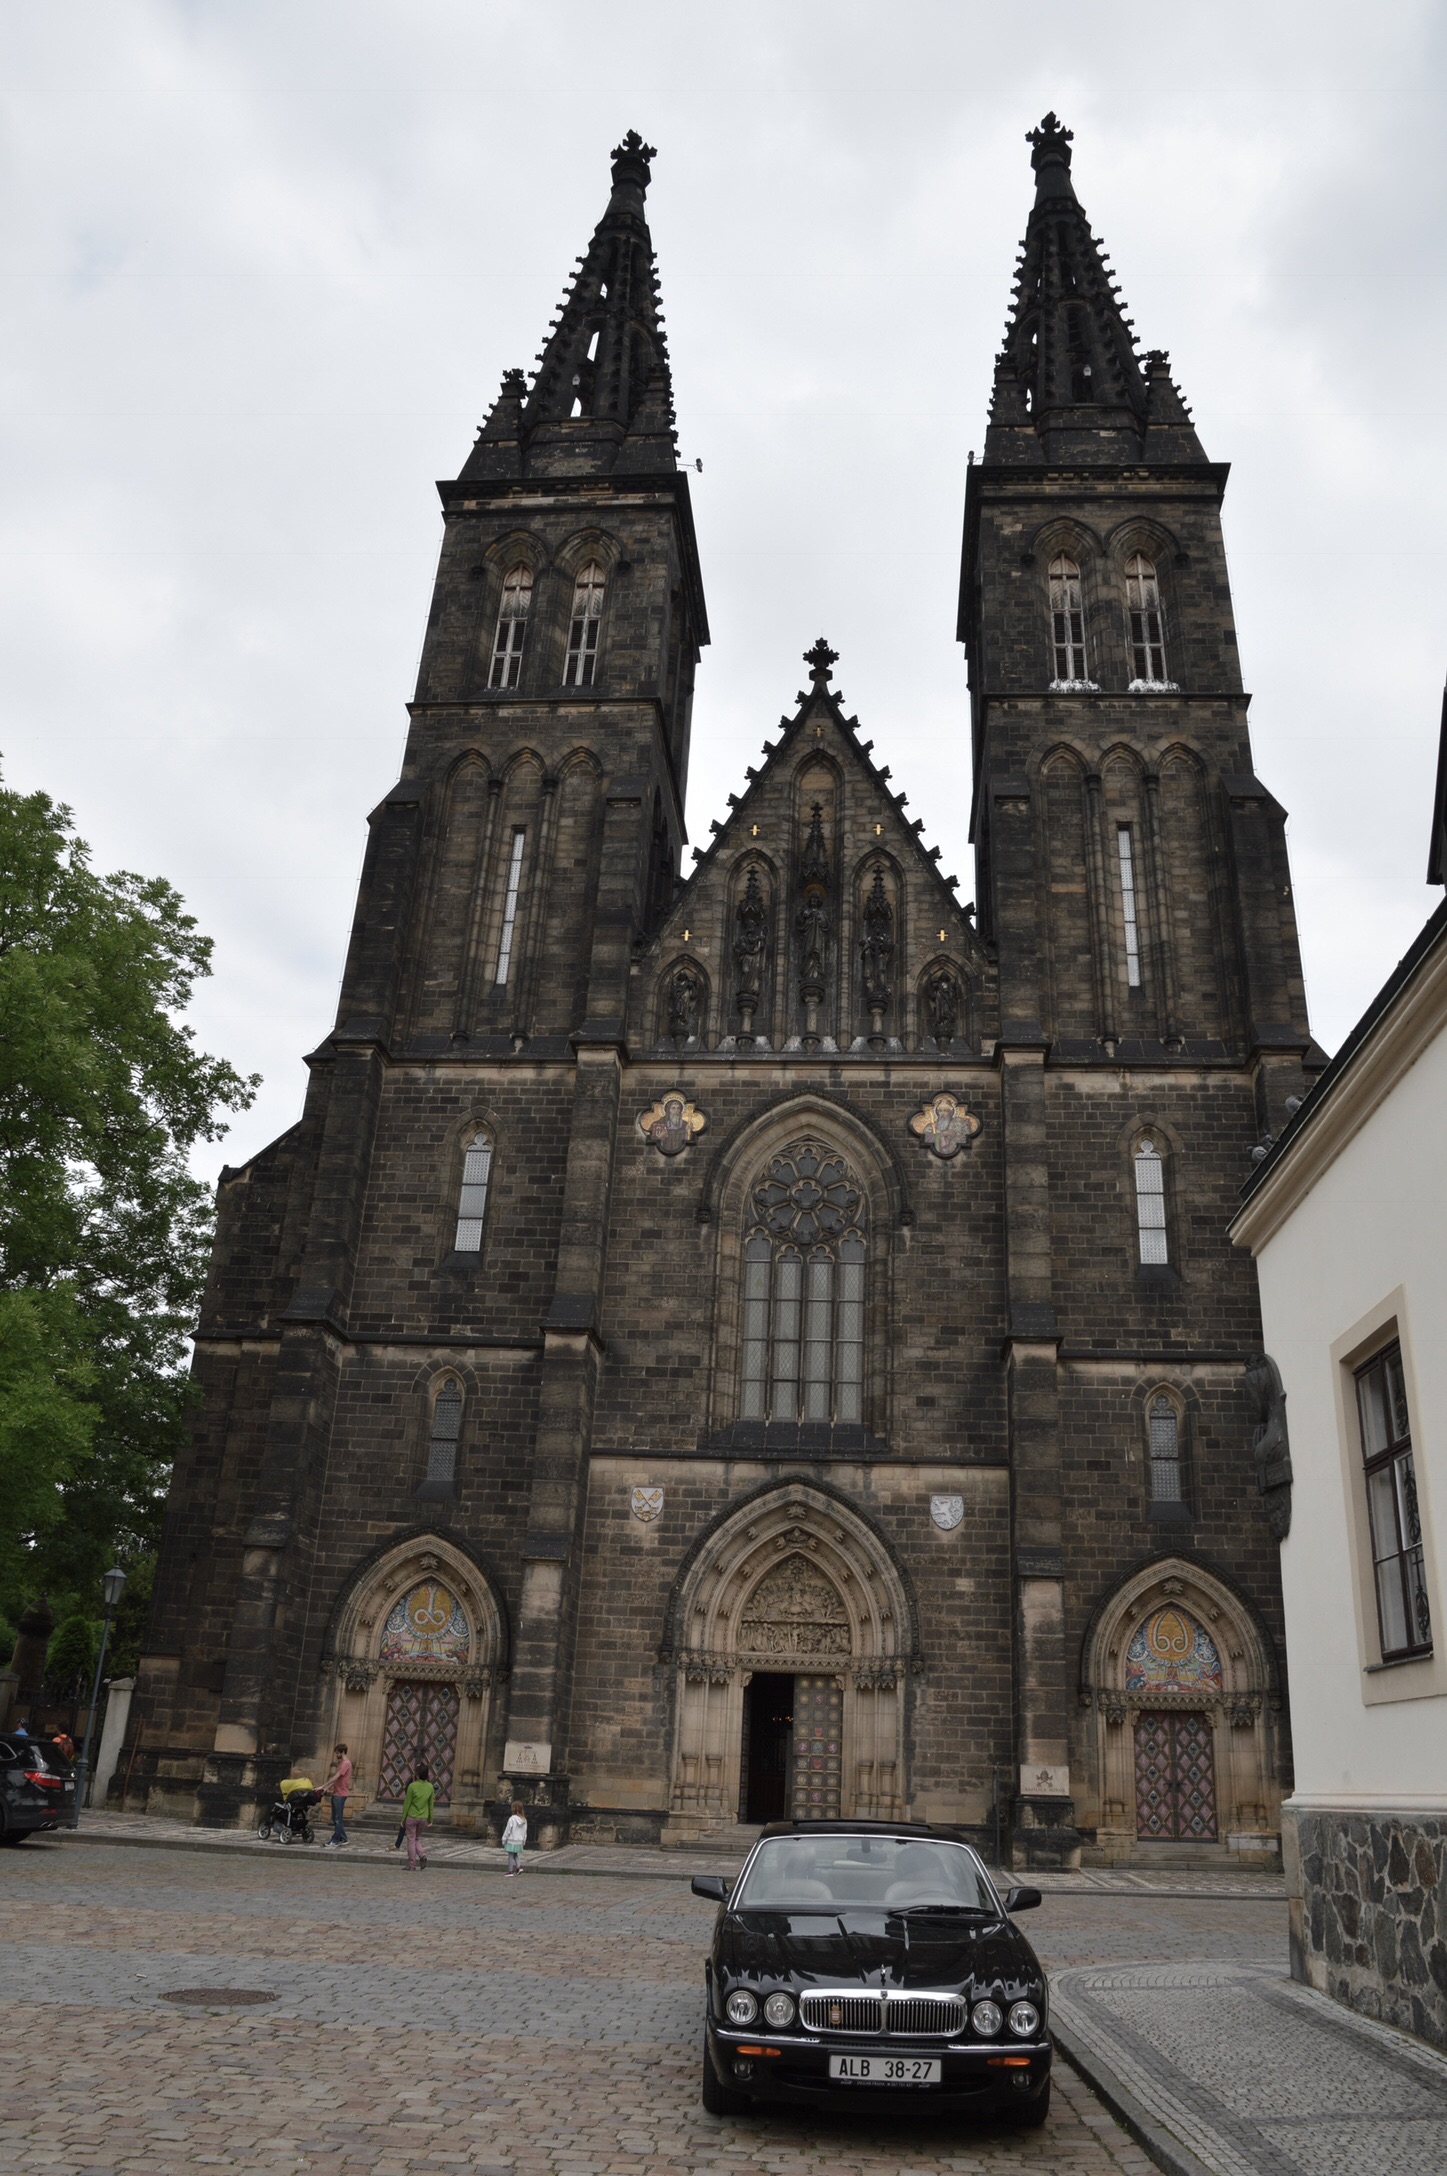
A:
(875, 1948)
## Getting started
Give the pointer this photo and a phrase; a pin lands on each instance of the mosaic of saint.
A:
(427, 1625)
(1172, 1649)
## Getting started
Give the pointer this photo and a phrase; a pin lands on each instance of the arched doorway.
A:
(792, 1635)
(1179, 1683)
(417, 1651)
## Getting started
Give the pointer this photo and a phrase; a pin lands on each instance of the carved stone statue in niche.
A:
(685, 1004)
(1270, 1444)
(813, 926)
(751, 936)
(876, 953)
(942, 1007)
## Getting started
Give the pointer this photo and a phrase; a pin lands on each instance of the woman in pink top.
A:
(339, 1783)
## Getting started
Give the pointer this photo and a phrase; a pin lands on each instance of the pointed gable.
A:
(816, 918)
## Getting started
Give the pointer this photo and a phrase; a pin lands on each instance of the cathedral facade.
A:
(769, 1343)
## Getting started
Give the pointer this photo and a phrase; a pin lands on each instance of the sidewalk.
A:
(644, 1862)
(1235, 2070)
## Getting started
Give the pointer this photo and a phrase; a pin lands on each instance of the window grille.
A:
(1403, 1616)
(1147, 630)
(582, 661)
(1150, 1202)
(1126, 850)
(1165, 1452)
(510, 907)
(446, 1429)
(803, 1292)
(472, 1196)
(512, 627)
(1067, 623)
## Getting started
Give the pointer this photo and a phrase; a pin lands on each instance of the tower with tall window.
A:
(1133, 881)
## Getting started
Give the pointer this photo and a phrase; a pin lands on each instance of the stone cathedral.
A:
(767, 1343)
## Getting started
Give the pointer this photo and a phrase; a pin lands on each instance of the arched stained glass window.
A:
(1150, 1201)
(803, 1291)
(512, 627)
(1067, 622)
(1165, 1438)
(1147, 628)
(587, 621)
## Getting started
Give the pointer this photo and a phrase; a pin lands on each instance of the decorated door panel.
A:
(1175, 1777)
(421, 1725)
(818, 1741)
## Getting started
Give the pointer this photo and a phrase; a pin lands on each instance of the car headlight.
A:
(742, 2007)
(987, 2018)
(1024, 2020)
(779, 2009)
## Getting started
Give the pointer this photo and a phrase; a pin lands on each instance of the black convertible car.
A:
(854, 1961)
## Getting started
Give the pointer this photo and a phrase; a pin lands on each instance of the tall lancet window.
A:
(444, 1434)
(1067, 623)
(1150, 1201)
(510, 907)
(472, 1194)
(803, 1291)
(582, 665)
(1147, 629)
(512, 627)
(1130, 920)
(1165, 1439)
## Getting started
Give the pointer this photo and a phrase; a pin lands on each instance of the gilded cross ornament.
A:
(672, 1123)
(946, 1125)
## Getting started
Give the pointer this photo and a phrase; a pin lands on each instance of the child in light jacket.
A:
(514, 1836)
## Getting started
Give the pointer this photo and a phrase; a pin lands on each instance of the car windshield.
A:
(891, 1873)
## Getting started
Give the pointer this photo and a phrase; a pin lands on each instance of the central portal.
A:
(767, 1747)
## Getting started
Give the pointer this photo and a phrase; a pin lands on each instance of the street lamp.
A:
(113, 1586)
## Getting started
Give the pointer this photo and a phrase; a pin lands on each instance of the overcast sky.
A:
(265, 262)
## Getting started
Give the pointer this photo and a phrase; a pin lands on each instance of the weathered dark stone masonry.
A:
(770, 1340)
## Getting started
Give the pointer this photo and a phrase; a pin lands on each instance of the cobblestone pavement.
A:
(1253, 2075)
(422, 2024)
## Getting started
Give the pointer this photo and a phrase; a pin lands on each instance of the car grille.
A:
(926, 2014)
(845, 2010)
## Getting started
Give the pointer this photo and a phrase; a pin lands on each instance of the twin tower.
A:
(767, 1343)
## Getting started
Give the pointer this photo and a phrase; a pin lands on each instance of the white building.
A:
(1347, 1218)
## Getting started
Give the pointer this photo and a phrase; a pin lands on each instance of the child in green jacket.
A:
(417, 1813)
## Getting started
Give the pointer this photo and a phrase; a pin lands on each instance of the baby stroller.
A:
(289, 1818)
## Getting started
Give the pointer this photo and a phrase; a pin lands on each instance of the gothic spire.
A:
(1068, 382)
(601, 397)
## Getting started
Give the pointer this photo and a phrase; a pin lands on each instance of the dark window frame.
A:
(1394, 1526)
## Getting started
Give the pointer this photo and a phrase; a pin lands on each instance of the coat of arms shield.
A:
(646, 1504)
(947, 1511)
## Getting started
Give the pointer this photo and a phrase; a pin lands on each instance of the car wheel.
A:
(1032, 2113)
(720, 2099)
(15, 1835)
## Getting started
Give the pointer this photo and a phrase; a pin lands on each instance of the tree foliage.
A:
(103, 1231)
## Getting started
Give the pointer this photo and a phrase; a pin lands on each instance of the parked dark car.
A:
(37, 1787)
(862, 1963)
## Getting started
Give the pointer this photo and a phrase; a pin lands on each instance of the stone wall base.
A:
(1368, 1898)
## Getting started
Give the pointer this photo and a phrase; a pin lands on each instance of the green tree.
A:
(72, 1652)
(103, 1231)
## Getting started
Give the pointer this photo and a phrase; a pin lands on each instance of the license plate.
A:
(885, 2069)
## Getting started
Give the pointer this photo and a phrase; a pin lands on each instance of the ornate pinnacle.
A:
(633, 147)
(1050, 140)
(820, 661)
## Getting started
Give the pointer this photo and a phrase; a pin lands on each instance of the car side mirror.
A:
(1022, 1900)
(711, 1886)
